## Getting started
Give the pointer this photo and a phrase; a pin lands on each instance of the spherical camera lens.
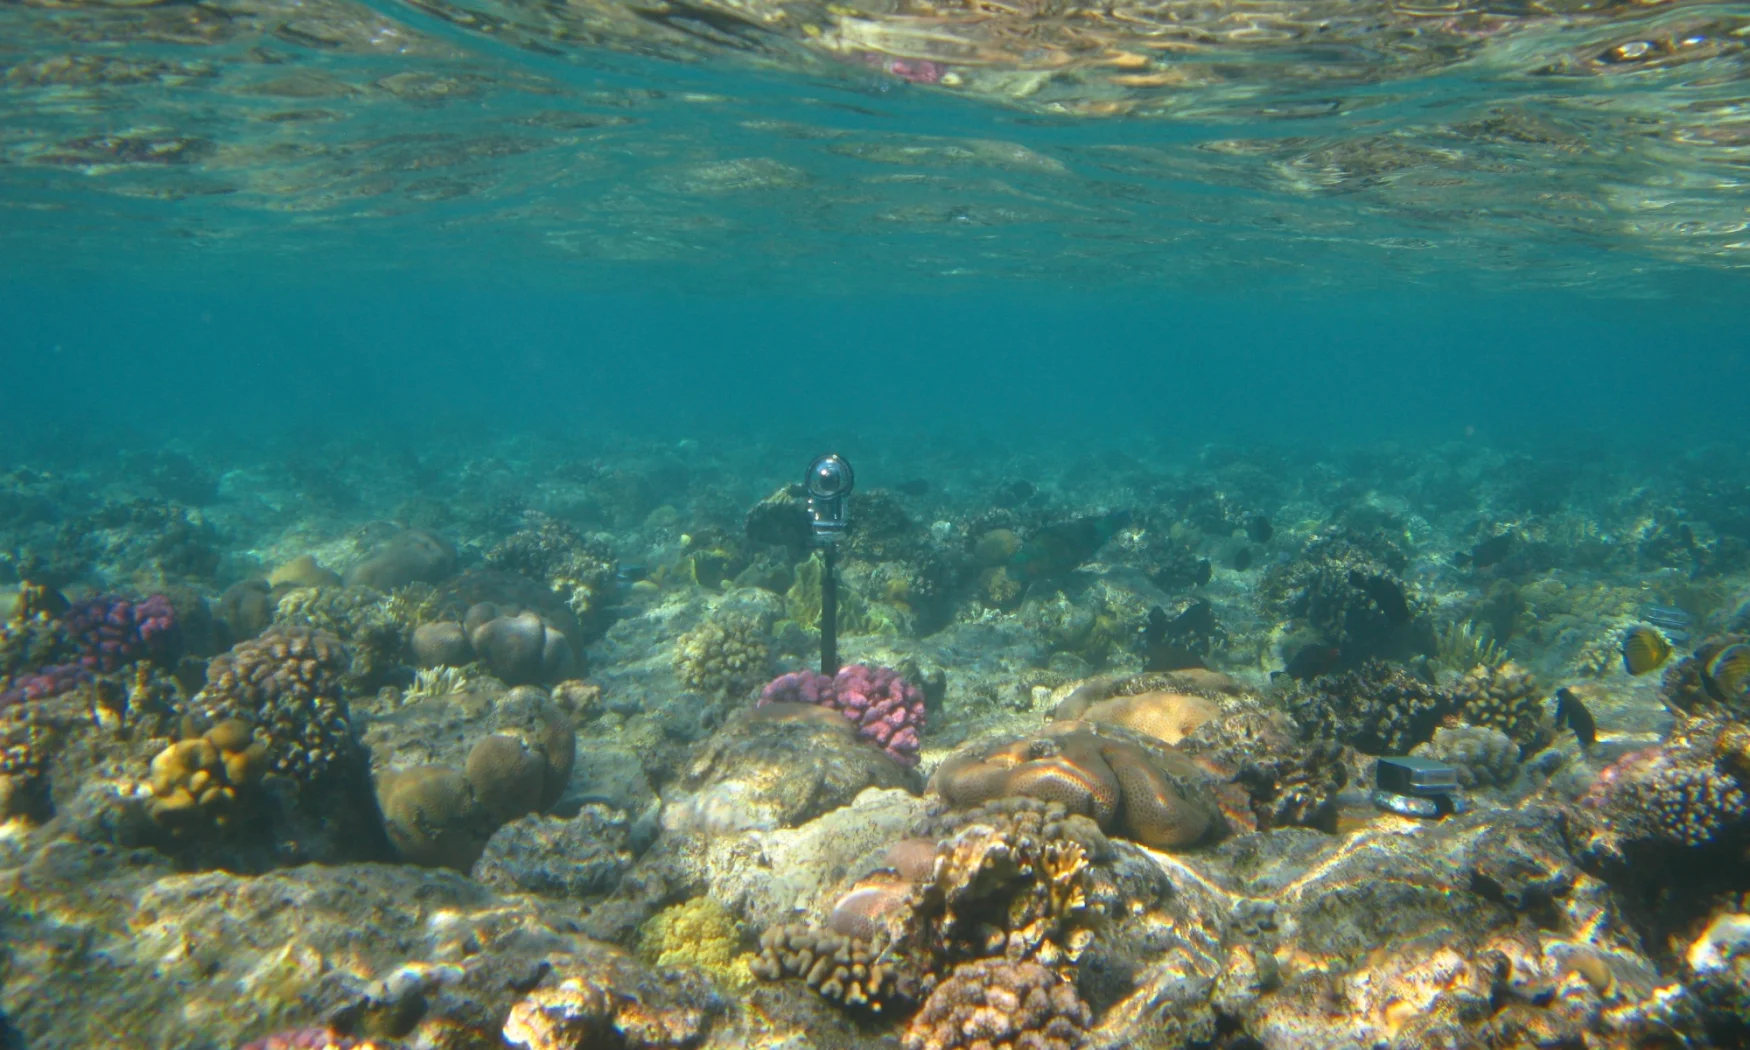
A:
(829, 477)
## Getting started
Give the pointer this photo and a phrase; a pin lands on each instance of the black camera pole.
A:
(829, 611)
(829, 481)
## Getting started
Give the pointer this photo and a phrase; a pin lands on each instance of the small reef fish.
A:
(1310, 662)
(1259, 529)
(1729, 672)
(1057, 549)
(1644, 649)
(1572, 714)
(1242, 559)
(1489, 552)
(1673, 621)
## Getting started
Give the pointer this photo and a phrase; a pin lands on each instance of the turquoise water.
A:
(1273, 220)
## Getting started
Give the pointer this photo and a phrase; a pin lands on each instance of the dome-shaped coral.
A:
(1484, 757)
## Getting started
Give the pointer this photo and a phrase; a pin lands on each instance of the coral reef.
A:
(442, 811)
(725, 656)
(701, 934)
(408, 556)
(519, 647)
(1378, 708)
(289, 685)
(1346, 589)
(1001, 1005)
(1148, 793)
(1507, 698)
(202, 777)
(112, 632)
(579, 571)
(361, 617)
(581, 856)
(1484, 757)
(885, 708)
(850, 971)
(776, 765)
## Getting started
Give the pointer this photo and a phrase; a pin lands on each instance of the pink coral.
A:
(112, 632)
(886, 708)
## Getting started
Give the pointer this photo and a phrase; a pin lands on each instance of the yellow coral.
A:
(202, 776)
(701, 934)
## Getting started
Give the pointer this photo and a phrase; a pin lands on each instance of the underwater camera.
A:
(829, 481)
(1416, 787)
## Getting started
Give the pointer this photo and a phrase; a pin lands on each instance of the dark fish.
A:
(1312, 661)
(1059, 548)
(1259, 529)
(632, 573)
(1491, 550)
(1385, 593)
(915, 487)
(1169, 642)
(1644, 649)
(1572, 713)
(1729, 671)
(1242, 559)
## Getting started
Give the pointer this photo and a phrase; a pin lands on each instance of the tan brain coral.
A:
(1150, 794)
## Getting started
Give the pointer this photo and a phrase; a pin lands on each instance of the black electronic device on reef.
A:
(829, 481)
(1415, 787)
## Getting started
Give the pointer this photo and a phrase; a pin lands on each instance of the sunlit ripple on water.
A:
(1570, 142)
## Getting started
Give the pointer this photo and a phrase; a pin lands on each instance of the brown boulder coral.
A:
(1150, 794)
(1167, 716)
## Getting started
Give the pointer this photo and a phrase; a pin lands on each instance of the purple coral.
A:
(112, 632)
(50, 681)
(886, 708)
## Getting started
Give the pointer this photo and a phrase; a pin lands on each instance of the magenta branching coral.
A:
(886, 708)
(112, 632)
(106, 634)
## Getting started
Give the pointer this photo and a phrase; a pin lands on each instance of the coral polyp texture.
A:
(725, 656)
(290, 685)
(885, 708)
(996, 1004)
